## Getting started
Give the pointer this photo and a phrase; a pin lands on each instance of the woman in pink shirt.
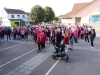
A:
(76, 36)
(22, 33)
(82, 33)
(86, 36)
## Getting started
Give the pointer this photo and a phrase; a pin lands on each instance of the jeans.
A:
(8, 36)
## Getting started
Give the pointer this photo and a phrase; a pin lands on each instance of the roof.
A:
(27, 13)
(77, 7)
(14, 11)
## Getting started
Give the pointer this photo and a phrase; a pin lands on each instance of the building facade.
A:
(88, 12)
(13, 17)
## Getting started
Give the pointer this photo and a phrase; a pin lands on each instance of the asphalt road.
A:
(13, 54)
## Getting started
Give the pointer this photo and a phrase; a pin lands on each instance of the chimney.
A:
(4, 7)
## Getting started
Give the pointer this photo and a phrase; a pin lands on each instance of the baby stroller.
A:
(61, 53)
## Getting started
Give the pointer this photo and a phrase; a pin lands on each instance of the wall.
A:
(21, 17)
(5, 20)
(88, 11)
(67, 20)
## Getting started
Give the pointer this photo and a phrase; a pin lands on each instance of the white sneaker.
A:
(88, 43)
(92, 47)
(76, 43)
(85, 42)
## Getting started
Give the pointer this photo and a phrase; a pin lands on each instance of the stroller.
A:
(61, 52)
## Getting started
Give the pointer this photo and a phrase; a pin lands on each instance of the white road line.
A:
(17, 58)
(11, 46)
(52, 67)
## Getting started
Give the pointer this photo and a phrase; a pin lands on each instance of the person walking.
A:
(92, 37)
(71, 41)
(8, 32)
(86, 36)
(76, 36)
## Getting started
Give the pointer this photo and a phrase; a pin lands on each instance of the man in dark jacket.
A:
(58, 39)
(8, 33)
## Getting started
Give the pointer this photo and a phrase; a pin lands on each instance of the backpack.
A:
(38, 41)
(40, 38)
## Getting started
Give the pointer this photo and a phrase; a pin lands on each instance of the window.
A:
(23, 16)
(12, 16)
(18, 16)
(94, 19)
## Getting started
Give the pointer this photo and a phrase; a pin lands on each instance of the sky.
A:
(60, 7)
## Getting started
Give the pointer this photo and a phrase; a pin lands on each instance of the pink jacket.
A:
(43, 37)
(0, 30)
(76, 33)
(22, 32)
(82, 31)
(37, 32)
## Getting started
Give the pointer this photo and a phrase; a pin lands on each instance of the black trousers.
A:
(53, 41)
(41, 46)
(82, 36)
(2, 36)
(86, 39)
(0, 41)
(57, 45)
(92, 40)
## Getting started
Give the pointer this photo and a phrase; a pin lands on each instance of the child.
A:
(66, 41)
(71, 41)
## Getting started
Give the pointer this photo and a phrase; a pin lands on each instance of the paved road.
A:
(21, 58)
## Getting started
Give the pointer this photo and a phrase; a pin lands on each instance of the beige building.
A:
(88, 12)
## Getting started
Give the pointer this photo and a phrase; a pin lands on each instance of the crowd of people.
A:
(67, 35)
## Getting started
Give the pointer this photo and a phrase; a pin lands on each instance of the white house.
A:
(12, 17)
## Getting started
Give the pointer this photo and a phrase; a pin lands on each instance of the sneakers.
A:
(92, 47)
(43, 50)
(86, 43)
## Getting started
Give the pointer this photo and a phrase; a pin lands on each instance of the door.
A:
(77, 20)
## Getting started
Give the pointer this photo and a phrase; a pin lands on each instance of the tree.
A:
(56, 19)
(49, 14)
(37, 14)
(0, 21)
(59, 18)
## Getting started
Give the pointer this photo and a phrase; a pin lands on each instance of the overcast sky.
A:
(60, 7)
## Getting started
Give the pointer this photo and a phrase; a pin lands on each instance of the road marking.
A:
(17, 58)
(11, 46)
(27, 67)
(52, 67)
